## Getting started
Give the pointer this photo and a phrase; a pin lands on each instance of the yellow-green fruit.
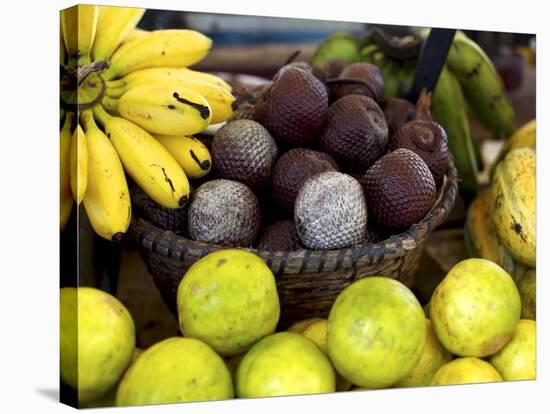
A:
(524, 137)
(376, 332)
(284, 363)
(229, 300)
(433, 357)
(518, 359)
(475, 308)
(467, 370)
(97, 340)
(514, 202)
(175, 370)
(190, 153)
(528, 292)
(316, 329)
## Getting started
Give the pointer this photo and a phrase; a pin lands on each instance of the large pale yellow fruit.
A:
(475, 308)
(376, 332)
(97, 341)
(467, 370)
(517, 360)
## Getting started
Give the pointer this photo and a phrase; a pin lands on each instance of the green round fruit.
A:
(517, 360)
(434, 355)
(466, 370)
(475, 308)
(284, 363)
(229, 300)
(175, 370)
(376, 332)
(528, 292)
(97, 340)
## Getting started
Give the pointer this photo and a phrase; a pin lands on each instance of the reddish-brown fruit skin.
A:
(333, 68)
(427, 139)
(373, 85)
(294, 108)
(291, 171)
(355, 134)
(399, 189)
(279, 236)
(243, 150)
(398, 112)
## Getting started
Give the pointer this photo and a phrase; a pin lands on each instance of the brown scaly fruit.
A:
(358, 79)
(293, 108)
(398, 112)
(291, 171)
(224, 212)
(355, 134)
(333, 68)
(330, 212)
(244, 151)
(399, 189)
(279, 236)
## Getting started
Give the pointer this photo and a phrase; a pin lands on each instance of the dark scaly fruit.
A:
(333, 68)
(400, 191)
(224, 212)
(293, 108)
(330, 212)
(244, 151)
(358, 79)
(427, 139)
(355, 134)
(398, 112)
(291, 171)
(171, 219)
(279, 236)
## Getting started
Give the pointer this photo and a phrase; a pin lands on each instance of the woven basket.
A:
(308, 281)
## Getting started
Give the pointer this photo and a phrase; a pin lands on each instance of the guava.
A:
(97, 340)
(517, 360)
(475, 308)
(434, 355)
(284, 363)
(376, 332)
(466, 370)
(175, 370)
(229, 300)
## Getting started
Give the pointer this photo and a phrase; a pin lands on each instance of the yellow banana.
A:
(160, 48)
(449, 110)
(151, 166)
(165, 109)
(134, 34)
(113, 25)
(79, 164)
(513, 204)
(482, 86)
(218, 98)
(480, 237)
(170, 73)
(189, 152)
(107, 199)
(62, 51)
(79, 24)
(523, 137)
(65, 195)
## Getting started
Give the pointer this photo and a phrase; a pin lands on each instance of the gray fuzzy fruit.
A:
(224, 212)
(330, 212)
(243, 150)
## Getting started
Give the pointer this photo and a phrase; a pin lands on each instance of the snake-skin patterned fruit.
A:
(294, 107)
(291, 171)
(356, 134)
(400, 190)
(244, 151)
(330, 211)
(428, 140)
(398, 112)
(225, 212)
(359, 79)
(279, 236)
(513, 204)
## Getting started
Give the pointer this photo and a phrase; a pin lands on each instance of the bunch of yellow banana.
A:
(139, 105)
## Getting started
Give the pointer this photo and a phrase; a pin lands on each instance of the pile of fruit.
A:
(129, 104)
(469, 85)
(376, 336)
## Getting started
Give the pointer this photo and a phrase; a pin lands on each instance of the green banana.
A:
(482, 86)
(449, 110)
(337, 46)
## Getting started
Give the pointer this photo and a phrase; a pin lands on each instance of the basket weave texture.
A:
(308, 281)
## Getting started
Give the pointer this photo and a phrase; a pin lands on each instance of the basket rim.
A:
(148, 236)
